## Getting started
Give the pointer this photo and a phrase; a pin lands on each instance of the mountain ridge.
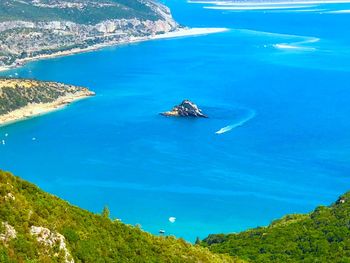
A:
(33, 28)
(320, 236)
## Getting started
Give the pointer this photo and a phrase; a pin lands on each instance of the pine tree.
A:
(105, 212)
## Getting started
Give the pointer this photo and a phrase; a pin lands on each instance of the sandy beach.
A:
(183, 32)
(190, 32)
(33, 110)
(39, 109)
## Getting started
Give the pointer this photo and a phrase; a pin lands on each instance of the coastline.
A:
(34, 110)
(182, 32)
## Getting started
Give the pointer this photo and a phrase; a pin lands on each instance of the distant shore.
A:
(182, 32)
(37, 109)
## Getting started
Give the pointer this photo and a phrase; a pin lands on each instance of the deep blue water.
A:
(285, 72)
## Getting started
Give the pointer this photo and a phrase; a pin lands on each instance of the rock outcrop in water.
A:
(185, 109)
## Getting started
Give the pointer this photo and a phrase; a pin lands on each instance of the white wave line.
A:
(346, 11)
(299, 44)
(273, 34)
(238, 8)
(233, 3)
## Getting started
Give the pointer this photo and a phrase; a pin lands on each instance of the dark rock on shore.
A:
(185, 109)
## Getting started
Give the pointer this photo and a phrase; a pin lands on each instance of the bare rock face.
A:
(10, 196)
(9, 233)
(48, 238)
(185, 109)
(23, 38)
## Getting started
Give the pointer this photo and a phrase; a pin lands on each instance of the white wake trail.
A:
(237, 124)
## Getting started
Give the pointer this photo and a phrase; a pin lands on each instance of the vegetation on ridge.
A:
(322, 236)
(36, 28)
(18, 93)
(38, 227)
(26, 210)
(78, 11)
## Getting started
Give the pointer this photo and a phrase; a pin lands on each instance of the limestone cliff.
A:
(31, 28)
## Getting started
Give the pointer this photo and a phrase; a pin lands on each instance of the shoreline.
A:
(35, 110)
(182, 32)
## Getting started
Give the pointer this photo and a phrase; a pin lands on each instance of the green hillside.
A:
(38, 227)
(322, 236)
(34, 28)
(78, 11)
(18, 93)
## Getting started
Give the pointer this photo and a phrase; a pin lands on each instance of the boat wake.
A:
(237, 124)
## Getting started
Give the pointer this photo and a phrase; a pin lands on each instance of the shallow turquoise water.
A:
(278, 78)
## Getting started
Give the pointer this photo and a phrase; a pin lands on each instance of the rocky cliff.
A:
(31, 28)
(185, 109)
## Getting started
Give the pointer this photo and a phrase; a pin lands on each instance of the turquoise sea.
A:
(279, 79)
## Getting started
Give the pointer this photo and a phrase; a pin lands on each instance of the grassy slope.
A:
(89, 237)
(322, 236)
(24, 10)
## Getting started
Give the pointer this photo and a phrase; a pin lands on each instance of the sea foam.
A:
(346, 11)
(280, 3)
(299, 45)
(262, 8)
